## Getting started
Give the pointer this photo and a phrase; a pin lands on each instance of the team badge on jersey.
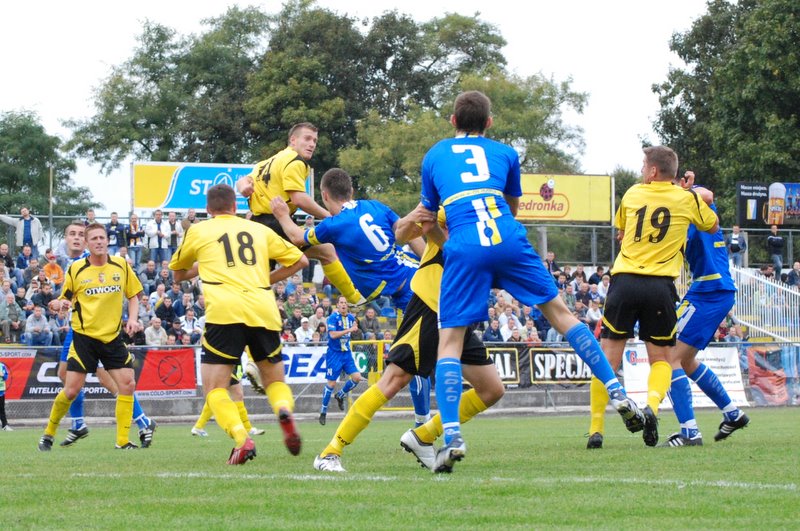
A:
(116, 277)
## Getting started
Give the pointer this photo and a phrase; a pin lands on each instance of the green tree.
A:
(27, 153)
(528, 114)
(732, 113)
(178, 98)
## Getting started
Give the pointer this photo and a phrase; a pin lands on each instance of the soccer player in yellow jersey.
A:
(232, 256)
(413, 353)
(94, 287)
(653, 219)
(284, 175)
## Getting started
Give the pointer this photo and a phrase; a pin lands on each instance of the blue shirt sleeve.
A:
(429, 196)
(513, 180)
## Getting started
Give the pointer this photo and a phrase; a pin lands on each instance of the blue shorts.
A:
(472, 270)
(700, 314)
(336, 362)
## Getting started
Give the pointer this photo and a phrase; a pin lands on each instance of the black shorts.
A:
(85, 352)
(224, 344)
(649, 300)
(268, 220)
(414, 349)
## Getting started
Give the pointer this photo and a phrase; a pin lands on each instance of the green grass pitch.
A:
(520, 472)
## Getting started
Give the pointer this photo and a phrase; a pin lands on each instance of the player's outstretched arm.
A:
(307, 203)
(287, 271)
(245, 186)
(179, 275)
(281, 212)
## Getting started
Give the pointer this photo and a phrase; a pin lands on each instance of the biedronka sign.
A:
(584, 198)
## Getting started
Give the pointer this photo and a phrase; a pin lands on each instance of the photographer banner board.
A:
(724, 361)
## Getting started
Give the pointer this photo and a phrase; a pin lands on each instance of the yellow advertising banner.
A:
(585, 198)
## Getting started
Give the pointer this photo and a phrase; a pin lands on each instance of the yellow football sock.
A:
(356, 420)
(339, 278)
(227, 415)
(598, 400)
(60, 407)
(123, 412)
(204, 417)
(470, 405)
(243, 415)
(280, 396)
(658, 383)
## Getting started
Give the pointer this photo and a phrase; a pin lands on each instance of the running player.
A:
(653, 218)
(232, 256)
(711, 296)
(477, 181)
(413, 355)
(95, 286)
(237, 395)
(339, 357)
(284, 175)
(363, 233)
(76, 250)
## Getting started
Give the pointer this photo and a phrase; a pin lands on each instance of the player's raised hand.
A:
(279, 207)
(687, 181)
(245, 186)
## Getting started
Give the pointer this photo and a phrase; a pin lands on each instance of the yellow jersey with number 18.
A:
(656, 218)
(233, 256)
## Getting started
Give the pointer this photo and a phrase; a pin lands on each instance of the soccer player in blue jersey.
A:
(76, 249)
(363, 233)
(709, 299)
(339, 357)
(477, 181)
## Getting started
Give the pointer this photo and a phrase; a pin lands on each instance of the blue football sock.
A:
(708, 382)
(448, 395)
(139, 417)
(326, 398)
(587, 347)
(346, 388)
(420, 389)
(76, 411)
(680, 393)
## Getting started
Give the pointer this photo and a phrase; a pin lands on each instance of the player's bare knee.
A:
(392, 382)
(325, 253)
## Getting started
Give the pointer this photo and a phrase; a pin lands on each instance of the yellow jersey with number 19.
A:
(656, 218)
(97, 293)
(233, 256)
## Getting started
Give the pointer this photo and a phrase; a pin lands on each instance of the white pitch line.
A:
(677, 483)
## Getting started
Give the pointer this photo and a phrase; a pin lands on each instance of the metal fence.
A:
(767, 307)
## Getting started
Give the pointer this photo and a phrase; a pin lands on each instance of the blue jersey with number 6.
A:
(363, 235)
(468, 175)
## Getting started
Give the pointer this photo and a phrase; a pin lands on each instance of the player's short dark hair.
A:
(471, 111)
(302, 125)
(93, 226)
(220, 198)
(76, 223)
(663, 158)
(338, 184)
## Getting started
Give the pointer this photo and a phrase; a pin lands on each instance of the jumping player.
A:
(477, 181)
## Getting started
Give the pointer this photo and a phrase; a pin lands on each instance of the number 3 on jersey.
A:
(477, 159)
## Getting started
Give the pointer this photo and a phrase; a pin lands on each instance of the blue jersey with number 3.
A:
(469, 175)
(364, 239)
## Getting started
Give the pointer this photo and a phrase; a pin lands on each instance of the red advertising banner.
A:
(19, 363)
(167, 373)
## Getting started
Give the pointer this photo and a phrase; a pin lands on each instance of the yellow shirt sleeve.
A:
(186, 254)
(705, 218)
(282, 251)
(132, 286)
(294, 176)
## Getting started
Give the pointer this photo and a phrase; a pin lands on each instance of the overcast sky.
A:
(56, 53)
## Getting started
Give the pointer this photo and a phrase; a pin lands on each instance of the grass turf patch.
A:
(520, 472)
